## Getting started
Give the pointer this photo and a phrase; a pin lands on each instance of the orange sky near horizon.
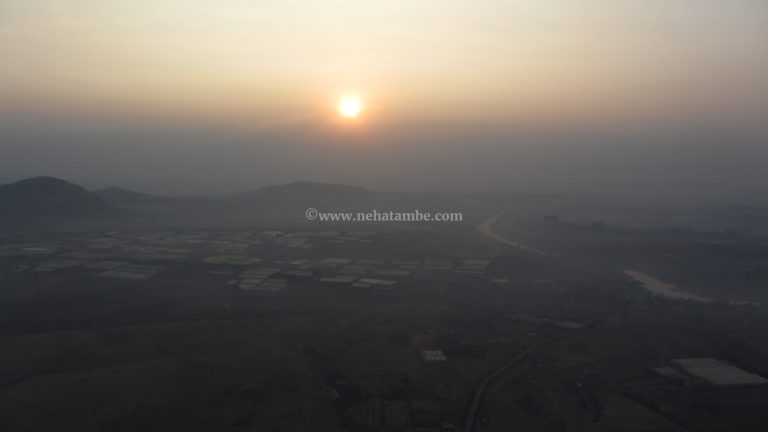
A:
(277, 62)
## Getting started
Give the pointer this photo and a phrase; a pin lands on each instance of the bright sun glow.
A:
(350, 107)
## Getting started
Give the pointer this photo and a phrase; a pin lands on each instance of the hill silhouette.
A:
(49, 198)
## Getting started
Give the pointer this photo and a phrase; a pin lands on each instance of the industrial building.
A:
(717, 373)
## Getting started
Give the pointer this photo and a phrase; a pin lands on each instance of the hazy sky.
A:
(201, 96)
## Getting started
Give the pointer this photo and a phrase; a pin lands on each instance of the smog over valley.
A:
(424, 216)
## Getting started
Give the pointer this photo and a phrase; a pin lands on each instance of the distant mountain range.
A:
(50, 198)
(51, 201)
(281, 194)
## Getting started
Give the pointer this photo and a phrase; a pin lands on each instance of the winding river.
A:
(669, 290)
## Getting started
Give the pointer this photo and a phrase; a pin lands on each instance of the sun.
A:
(350, 107)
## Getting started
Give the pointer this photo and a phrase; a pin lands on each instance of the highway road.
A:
(470, 417)
(487, 229)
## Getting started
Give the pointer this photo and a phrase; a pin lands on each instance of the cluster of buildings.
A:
(429, 350)
(170, 246)
(362, 273)
(131, 271)
(695, 372)
(260, 280)
(565, 324)
(243, 257)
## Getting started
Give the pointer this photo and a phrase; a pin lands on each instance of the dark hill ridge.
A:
(49, 198)
(129, 199)
(301, 188)
(303, 193)
(124, 194)
(268, 205)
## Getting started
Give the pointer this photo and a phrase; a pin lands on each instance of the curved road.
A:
(487, 229)
(470, 418)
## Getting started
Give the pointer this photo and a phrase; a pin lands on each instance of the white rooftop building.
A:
(718, 373)
(432, 356)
